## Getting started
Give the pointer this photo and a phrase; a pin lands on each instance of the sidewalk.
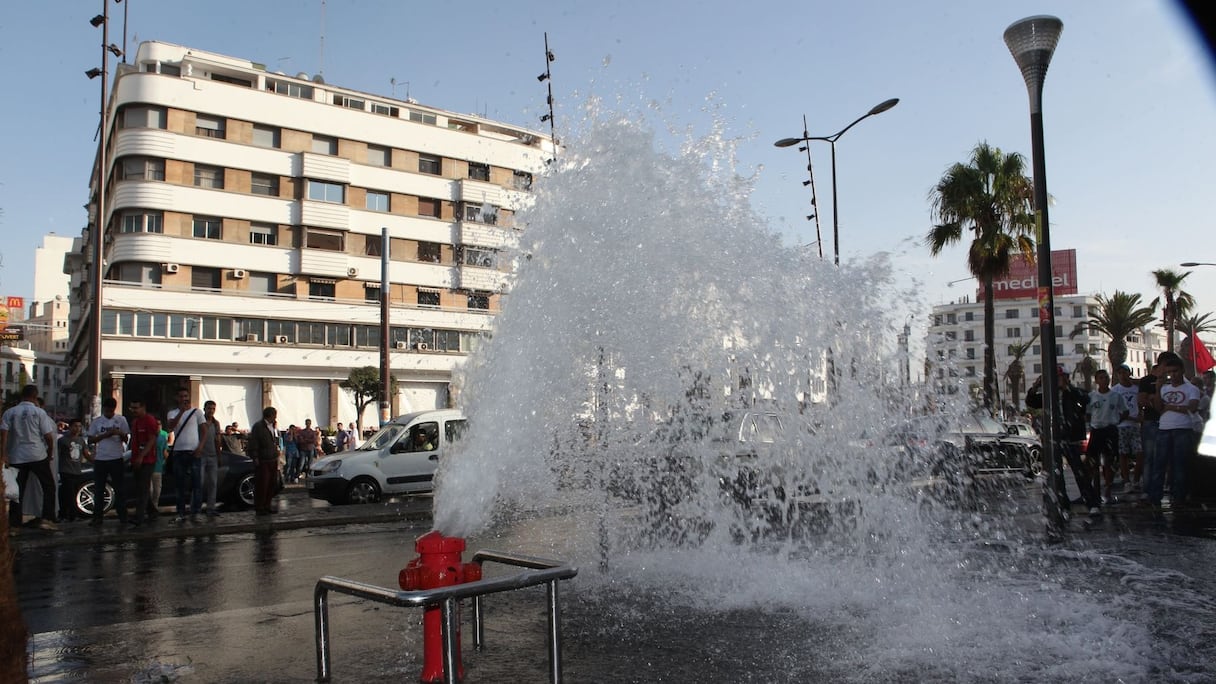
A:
(294, 510)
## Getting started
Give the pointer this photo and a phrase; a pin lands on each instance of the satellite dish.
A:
(318, 79)
(302, 76)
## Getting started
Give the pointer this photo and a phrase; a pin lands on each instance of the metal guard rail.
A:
(539, 571)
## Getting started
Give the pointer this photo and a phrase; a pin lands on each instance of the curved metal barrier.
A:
(538, 571)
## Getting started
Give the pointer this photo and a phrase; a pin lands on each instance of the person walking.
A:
(184, 421)
(144, 429)
(108, 433)
(208, 454)
(1070, 426)
(306, 444)
(263, 448)
(1177, 401)
(158, 470)
(27, 440)
(73, 452)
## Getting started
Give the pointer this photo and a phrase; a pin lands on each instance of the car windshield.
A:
(385, 437)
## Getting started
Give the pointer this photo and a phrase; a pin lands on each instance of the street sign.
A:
(12, 333)
(15, 303)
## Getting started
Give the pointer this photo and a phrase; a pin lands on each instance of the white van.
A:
(399, 459)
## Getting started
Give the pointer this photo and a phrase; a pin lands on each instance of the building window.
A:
(430, 164)
(208, 227)
(290, 89)
(331, 240)
(951, 336)
(208, 177)
(371, 293)
(349, 102)
(477, 256)
(428, 207)
(971, 352)
(423, 117)
(204, 278)
(971, 371)
(1013, 332)
(379, 156)
(521, 180)
(481, 213)
(262, 283)
(323, 191)
(276, 329)
(321, 288)
(1076, 311)
(968, 335)
(478, 171)
(134, 272)
(428, 298)
(142, 222)
(234, 80)
(1011, 313)
(429, 252)
(324, 144)
(969, 316)
(1078, 349)
(142, 116)
(1059, 331)
(372, 246)
(951, 319)
(266, 136)
(142, 168)
(263, 234)
(1034, 312)
(1036, 350)
(264, 184)
(377, 201)
(209, 126)
(386, 110)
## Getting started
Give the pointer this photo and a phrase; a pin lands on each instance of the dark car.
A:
(235, 486)
(971, 446)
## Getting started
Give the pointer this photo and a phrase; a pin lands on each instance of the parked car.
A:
(400, 458)
(235, 486)
(1021, 429)
(979, 445)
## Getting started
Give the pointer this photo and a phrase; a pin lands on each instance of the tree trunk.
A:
(12, 626)
(989, 342)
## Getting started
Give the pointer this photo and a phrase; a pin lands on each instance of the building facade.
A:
(243, 246)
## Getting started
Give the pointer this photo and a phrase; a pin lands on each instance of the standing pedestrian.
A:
(27, 440)
(73, 451)
(158, 471)
(1104, 412)
(1070, 431)
(292, 454)
(184, 421)
(306, 444)
(1131, 457)
(108, 433)
(341, 438)
(1177, 401)
(1149, 415)
(208, 454)
(144, 429)
(263, 448)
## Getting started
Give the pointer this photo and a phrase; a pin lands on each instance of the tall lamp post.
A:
(1032, 41)
(787, 142)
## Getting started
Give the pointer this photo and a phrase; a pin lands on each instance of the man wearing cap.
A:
(1146, 398)
(1129, 428)
(1070, 432)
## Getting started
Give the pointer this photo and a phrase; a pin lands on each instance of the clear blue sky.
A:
(1129, 107)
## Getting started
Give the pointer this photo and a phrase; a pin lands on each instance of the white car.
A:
(400, 458)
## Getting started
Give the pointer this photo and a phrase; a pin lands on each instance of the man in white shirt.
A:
(27, 440)
(108, 434)
(1129, 428)
(183, 425)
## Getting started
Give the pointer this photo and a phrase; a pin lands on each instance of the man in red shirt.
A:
(144, 429)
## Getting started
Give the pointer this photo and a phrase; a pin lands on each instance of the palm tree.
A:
(1117, 317)
(1016, 373)
(1177, 302)
(991, 197)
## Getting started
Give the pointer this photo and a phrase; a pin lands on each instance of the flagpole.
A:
(1194, 353)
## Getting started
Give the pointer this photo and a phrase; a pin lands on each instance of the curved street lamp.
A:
(1191, 264)
(787, 142)
(1032, 41)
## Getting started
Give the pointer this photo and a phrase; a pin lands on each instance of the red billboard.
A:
(1022, 280)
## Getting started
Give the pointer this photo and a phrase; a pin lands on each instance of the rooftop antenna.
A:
(394, 83)
(321, 56)
(547, 78)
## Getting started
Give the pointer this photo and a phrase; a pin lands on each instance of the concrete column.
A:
(267, 388)
(116, 389)
(196, 382)
(335, 397)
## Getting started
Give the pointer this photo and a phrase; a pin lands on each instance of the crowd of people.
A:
(1144, 430)
(188, 444)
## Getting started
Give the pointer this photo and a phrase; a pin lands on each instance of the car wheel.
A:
(85, 501)
(363, 490)
(245, 491)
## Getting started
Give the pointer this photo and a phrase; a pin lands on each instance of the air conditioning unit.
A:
(238, 273)
(281, 339)
(422, 346)
(172, 268)
(402, 345)
(251, 337)
(352, 272)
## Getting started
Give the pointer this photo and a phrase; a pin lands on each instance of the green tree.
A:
(990, 200)
(1117, 317)
(364, 383)
(1177, 302)
(1016, 372)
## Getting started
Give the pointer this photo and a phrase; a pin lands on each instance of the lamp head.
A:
(883, 106)
(542, 77)
(97, 20)
(93, 73)
(1032, 41)
(787, 142)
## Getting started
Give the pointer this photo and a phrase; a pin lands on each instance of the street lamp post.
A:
(787, 142)
(1192, 264)
(1032, 41)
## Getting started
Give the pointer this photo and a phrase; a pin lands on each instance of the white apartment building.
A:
(955, 343)
(242, 238)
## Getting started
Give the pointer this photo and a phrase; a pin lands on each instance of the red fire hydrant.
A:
(438, 565)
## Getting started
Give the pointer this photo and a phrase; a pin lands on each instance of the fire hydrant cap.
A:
(434, 542)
